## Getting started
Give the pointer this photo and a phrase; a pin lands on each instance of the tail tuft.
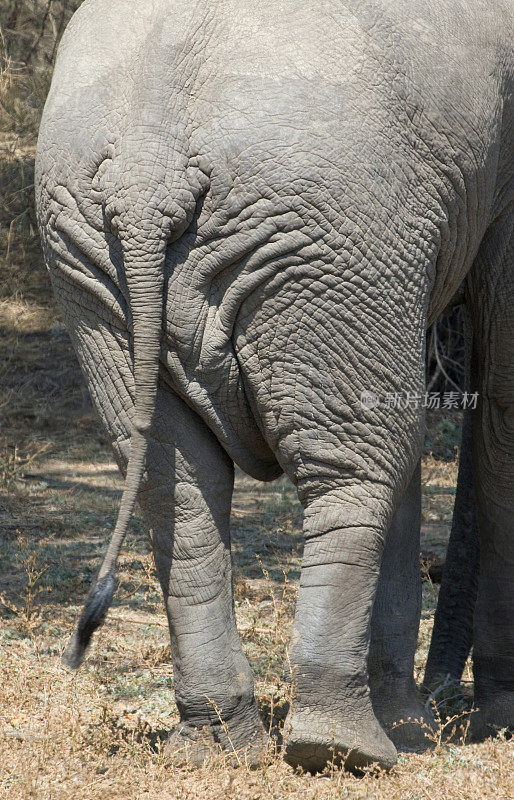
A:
(93, 614)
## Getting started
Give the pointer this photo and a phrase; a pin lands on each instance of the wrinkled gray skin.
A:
(281, 196)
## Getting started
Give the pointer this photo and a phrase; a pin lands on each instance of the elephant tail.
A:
(144, 270)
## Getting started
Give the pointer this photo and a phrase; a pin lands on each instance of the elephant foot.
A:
(409, 725)
(493, 716)
(238, 744)
(314, 740)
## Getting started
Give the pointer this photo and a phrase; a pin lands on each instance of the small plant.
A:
(147, 591)
(276, 701)
(13, 465)
(426, 568)
(450, 707)
(27, 611)
(226, 731)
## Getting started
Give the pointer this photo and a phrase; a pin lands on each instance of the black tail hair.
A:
(93, 614)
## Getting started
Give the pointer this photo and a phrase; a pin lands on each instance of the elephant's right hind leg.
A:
(492, 293)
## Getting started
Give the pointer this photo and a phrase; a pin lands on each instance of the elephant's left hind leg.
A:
(394, 628)
(186, 506)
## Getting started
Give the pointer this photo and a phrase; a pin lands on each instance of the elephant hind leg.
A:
(492, 307)
(394, 629)
(332, 718)
(186, 507)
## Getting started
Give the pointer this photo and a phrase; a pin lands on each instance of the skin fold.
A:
(250, 213)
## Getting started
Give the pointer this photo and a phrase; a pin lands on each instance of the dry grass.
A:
(65, 739)
(100, 733)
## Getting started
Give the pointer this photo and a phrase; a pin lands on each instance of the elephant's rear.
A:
(225, 139)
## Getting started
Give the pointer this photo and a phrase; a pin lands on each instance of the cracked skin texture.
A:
(315, 180)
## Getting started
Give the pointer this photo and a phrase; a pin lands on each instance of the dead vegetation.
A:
(100, 733)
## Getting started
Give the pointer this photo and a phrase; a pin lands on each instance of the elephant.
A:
(251, 212)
